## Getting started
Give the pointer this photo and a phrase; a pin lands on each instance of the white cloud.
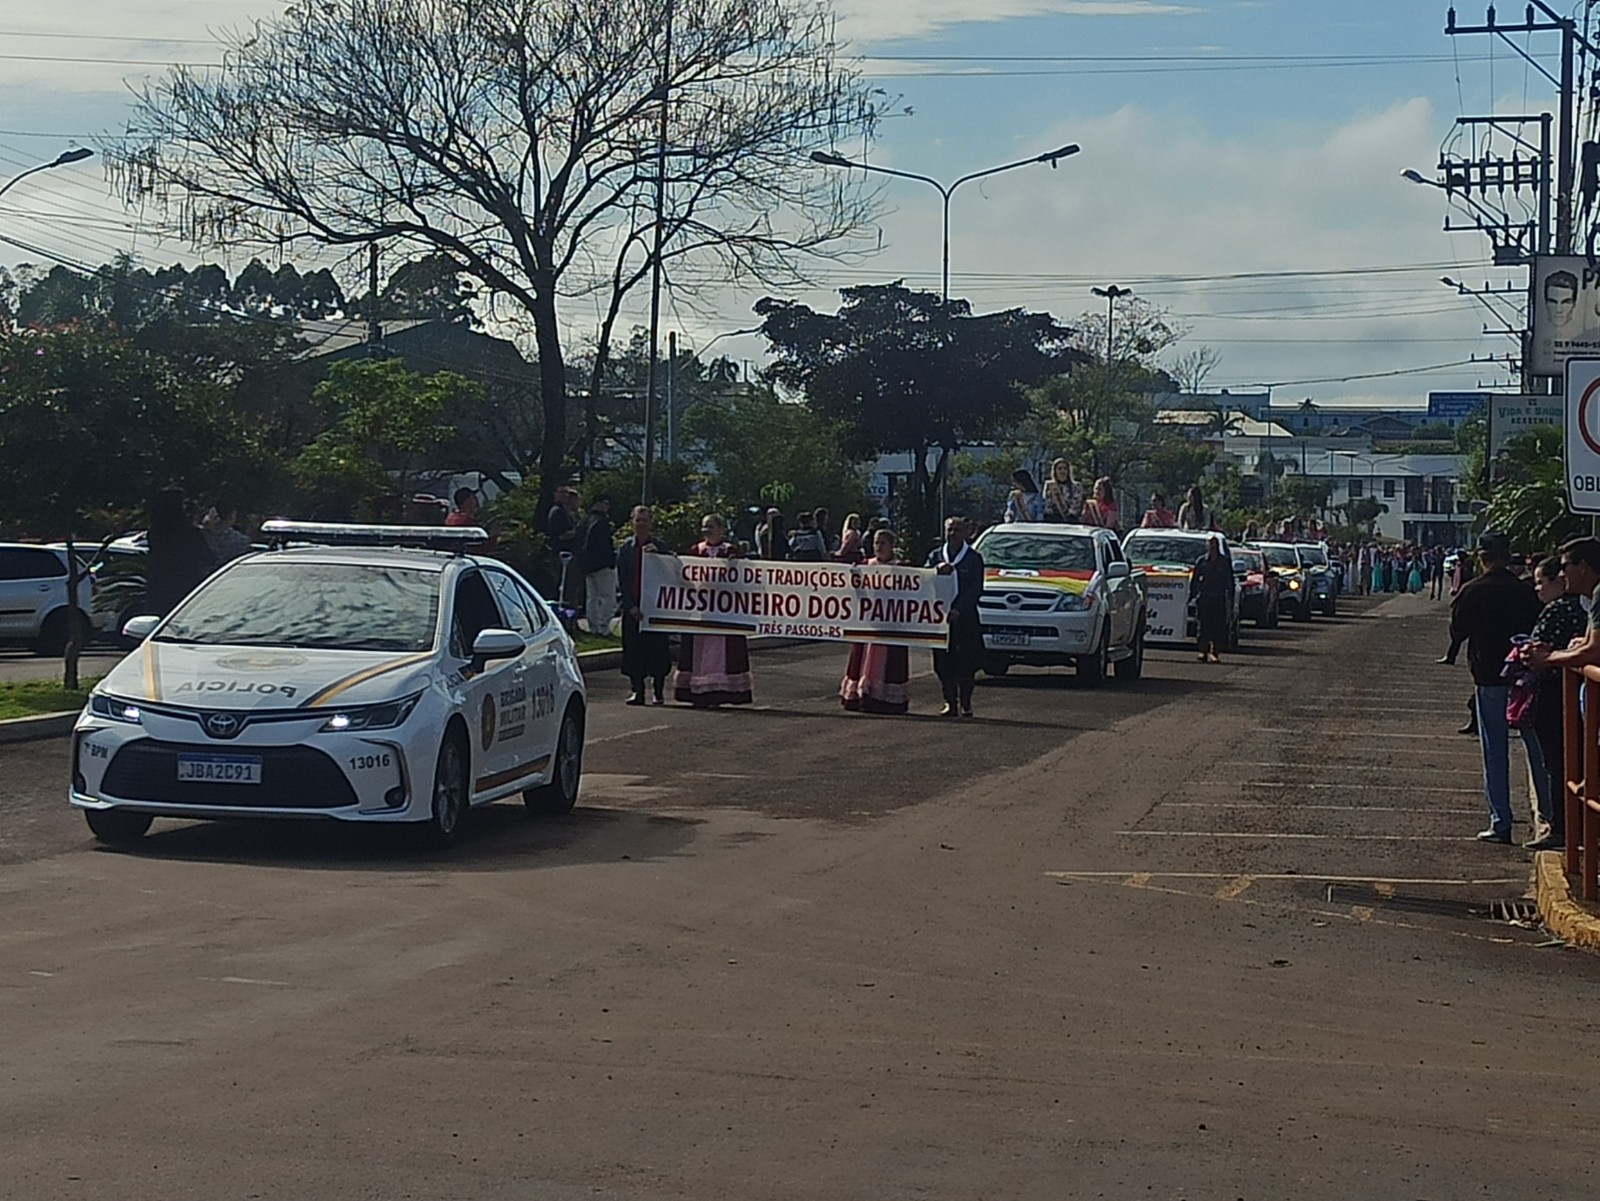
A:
(1154, 196)
(885, 20)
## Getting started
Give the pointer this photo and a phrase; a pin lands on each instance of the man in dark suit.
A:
(957, 666)
(1486, 614)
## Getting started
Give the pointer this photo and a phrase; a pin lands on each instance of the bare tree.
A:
(520, 139)
(1190, 369)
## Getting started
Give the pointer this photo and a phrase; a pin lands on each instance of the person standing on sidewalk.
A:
(597, 555)
(1486, 614)
(1562, 621)
(645, 655)
(957, 666)
(1580, 567)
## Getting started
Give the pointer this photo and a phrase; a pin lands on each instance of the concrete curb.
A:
(45, 725)
(1566, 917)
(54, 725)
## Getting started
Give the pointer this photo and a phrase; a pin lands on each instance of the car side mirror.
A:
(1118, 571)
(496, 644)
(140, 628)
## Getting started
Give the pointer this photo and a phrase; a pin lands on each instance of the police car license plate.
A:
(219, 769)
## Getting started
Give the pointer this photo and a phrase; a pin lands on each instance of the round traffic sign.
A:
(1588, 418)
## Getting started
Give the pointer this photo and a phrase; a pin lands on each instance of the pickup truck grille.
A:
(998, 602)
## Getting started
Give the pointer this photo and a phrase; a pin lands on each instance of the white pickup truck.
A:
(1061, 594)
(1168, 558)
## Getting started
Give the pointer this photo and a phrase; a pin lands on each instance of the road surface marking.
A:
(1295, 837)
(1360, 787)
(627, 734)
(1233, 888)
(1317, 808)
(1146, 877)
(1138, 879)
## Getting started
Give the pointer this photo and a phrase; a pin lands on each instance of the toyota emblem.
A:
(222, 725)
(1013, 600)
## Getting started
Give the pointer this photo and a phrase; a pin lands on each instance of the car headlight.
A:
(1294, 584)
(1074, 603)
(114, 708)
(372, 717)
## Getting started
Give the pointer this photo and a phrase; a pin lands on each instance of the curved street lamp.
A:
(945, 190)
(1112, 294)
(76, 155)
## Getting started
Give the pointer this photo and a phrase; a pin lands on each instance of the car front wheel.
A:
(561, 794)
(1092, 668)
(448, 812)
(1132, 667)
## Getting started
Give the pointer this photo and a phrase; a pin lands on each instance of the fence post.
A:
(1572, 766)
(1591, 789)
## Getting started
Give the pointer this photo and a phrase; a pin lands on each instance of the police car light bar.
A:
(349, 533)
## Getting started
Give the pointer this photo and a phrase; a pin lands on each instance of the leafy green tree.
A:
(429, 288)
(899, 371)
(90, 422)
(760, 447)
(385, 419)
(1529, 501)
(1177, 463)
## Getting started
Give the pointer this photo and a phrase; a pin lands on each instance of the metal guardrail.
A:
(1580, 745)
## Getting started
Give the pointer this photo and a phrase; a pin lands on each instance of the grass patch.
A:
(595, 642)
(33, 697)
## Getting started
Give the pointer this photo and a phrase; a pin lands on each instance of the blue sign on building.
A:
(1453, 408)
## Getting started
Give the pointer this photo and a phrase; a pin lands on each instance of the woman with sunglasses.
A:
(713, 669)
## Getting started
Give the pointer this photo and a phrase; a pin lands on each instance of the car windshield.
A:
(326, 606)
(1021, 552)
(1280, 556)
(1313, 556)
(1147, 552)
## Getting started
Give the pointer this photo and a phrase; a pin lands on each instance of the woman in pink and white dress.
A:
(713, 669)
(878, 678)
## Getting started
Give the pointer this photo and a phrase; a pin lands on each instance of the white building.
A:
(1420, 493)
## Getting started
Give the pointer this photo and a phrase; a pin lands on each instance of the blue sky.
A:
(1228, 144)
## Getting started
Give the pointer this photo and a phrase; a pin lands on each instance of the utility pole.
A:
(664, 86)
(672, 399)
(1538, 18)
(374, 317)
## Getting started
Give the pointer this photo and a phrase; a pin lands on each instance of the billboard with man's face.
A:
(1566, 312)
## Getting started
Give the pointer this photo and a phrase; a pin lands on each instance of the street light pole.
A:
(1112, 295)
(76, 155)
(945, 191)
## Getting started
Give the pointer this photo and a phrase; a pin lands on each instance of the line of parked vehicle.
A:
(1066, 595)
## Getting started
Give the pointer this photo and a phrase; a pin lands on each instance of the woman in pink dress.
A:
(878, 678)
(713, 669)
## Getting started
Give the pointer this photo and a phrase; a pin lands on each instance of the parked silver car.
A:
(33, 597)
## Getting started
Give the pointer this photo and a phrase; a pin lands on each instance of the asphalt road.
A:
(1219, 934)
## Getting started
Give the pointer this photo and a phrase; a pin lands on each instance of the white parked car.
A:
(357, 681)
(33, 596)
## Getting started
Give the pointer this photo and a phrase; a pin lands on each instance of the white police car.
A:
(385, 676)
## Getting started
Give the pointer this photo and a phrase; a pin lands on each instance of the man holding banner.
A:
(957, 664)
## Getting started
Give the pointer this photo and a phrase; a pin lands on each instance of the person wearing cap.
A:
(1487, 614)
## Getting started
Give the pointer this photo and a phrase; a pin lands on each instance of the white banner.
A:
(1513, 415)
(1168, 613)
(829, 602)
